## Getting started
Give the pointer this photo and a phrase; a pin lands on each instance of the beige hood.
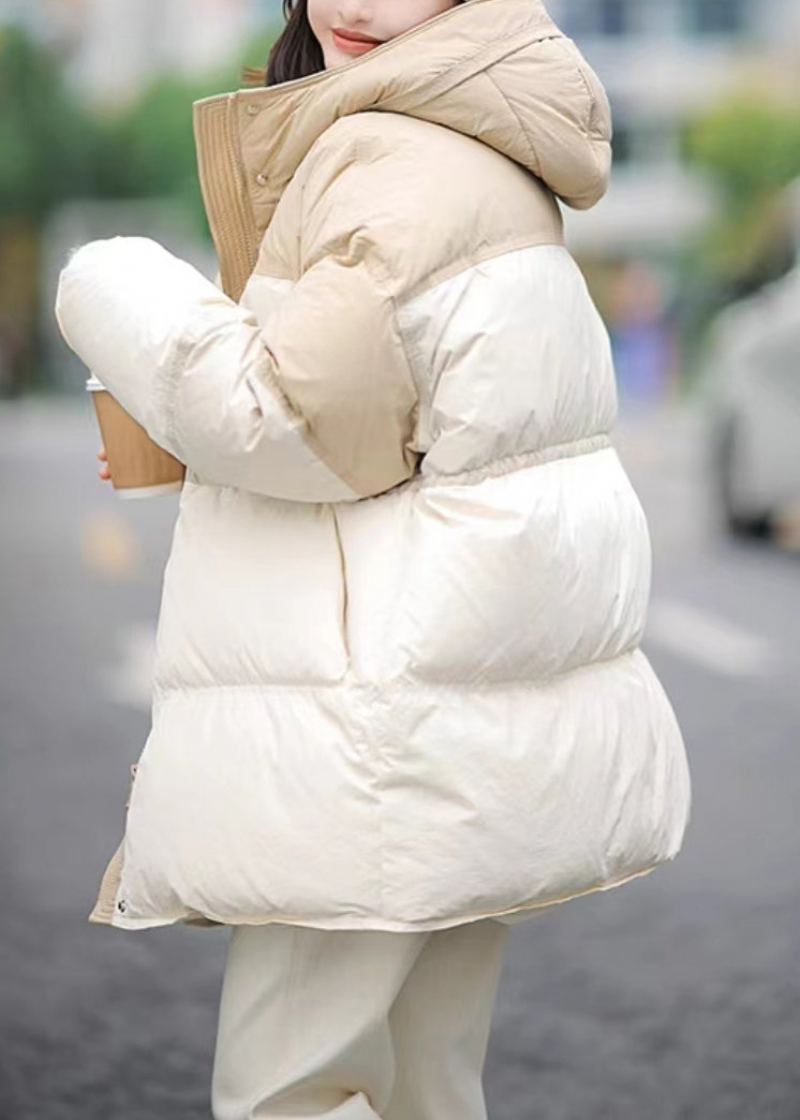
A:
(499, 70)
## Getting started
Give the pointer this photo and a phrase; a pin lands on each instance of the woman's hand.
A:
(103, 472)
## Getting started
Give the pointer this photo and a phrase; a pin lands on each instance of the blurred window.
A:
(597, 17)
(715, 17)
(643, 142)
(621, 143)
(613, 17)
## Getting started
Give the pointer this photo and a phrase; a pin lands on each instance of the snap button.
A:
(252, 110)
(261, 179)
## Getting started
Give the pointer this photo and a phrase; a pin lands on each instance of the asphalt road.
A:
(674, 997)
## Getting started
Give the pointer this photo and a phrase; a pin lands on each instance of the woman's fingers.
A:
(104, 472)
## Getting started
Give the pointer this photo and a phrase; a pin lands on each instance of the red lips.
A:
(355, 36)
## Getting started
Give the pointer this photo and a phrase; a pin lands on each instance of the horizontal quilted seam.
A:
(495, 468)
(388, 686)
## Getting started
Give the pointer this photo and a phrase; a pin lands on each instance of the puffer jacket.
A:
(398, 680)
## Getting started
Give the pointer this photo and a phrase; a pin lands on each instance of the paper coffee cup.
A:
(138, 466)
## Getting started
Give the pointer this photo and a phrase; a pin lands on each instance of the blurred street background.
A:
(674, 998)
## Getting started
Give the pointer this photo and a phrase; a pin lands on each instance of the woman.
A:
(399, 697)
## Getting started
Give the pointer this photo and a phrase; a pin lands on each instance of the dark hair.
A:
(295, 53)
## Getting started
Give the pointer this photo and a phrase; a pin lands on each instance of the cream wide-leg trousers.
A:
(356, 1024)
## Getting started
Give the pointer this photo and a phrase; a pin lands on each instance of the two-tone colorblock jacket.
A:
(398, 680)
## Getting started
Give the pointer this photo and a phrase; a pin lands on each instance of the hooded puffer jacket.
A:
(398, 680)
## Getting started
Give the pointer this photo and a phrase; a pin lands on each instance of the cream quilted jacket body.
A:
(398, 679)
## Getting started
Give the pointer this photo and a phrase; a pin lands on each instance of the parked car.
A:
(752, 399)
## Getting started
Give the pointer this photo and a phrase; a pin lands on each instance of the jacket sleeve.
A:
(315, 403)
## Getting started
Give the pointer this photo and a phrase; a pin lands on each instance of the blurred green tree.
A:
(48, 141)
(749, 145)
(48, 147)
(54, 147)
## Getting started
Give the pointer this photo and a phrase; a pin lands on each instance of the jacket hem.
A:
(389, 925)
(103, 911)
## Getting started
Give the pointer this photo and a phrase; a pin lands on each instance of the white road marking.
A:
(707, 639)
(129, 680)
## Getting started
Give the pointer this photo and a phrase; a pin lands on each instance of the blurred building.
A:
(113, 47)
(661, 60)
